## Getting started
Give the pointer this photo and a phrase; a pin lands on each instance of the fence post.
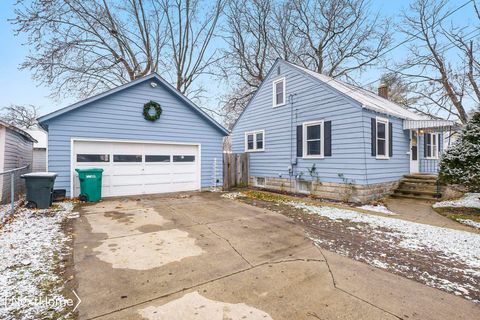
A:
(12, 191)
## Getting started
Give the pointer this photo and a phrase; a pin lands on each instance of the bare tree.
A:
(191, 26)
(333, 37)
(339, 36)
(87, 46)
(249, 53)
(23, 116)
(445, 84)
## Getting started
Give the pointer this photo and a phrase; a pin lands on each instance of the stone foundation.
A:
(327, 190)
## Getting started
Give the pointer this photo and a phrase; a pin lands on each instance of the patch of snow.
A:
(470, 223)
(6, 209)
(455, 288)
(469, 200)
(455, 244)
(32, 247)
(233, 195)
(378, 208)
(379, 264)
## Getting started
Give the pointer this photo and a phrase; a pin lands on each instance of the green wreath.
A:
(146, 111)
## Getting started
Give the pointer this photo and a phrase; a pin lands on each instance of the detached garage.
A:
(147, 137)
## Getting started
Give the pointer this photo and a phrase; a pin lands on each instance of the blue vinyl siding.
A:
(314, 100)
(119, 117)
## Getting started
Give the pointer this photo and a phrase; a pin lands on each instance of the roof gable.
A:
(151, 76)
(257, 91)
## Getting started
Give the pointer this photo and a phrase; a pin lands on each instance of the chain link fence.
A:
(12, 188)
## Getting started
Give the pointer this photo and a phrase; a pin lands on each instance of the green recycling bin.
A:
(90, 184)
(39, 189)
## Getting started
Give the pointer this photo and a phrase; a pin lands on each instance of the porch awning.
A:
(428, 124)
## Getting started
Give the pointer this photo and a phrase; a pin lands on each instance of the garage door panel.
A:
(185, 176)
(127, 179)
(126, 170)
(181, 186)
(157, 178)
(184, 168)
(158, 169)
(139, 168)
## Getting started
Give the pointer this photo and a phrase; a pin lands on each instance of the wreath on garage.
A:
(152, 111)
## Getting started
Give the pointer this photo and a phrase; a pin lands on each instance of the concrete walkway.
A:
(421, 211)
(200, 256)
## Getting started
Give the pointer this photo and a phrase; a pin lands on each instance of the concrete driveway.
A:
(201, 256)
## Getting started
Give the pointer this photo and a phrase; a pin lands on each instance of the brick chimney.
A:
(383, 90)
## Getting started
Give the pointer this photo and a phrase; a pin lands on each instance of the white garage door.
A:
(138, 168)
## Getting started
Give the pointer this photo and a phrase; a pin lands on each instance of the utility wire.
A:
(415, 35)
(356, 88)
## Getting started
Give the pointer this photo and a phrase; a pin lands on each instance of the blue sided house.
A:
(146, 135)
(307, 132)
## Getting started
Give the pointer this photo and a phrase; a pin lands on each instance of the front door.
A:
(414, 168)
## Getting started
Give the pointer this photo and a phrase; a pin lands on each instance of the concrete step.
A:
(419, 181)
(421, 176)
(418, 192)
(406, 196)
(416, 186)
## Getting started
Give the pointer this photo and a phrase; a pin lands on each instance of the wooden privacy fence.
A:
(235, 170)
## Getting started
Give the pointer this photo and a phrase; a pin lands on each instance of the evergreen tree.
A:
(461, 162)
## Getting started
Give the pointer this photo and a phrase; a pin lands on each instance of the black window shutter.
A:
(327, 129)
(300, 141)
(374, 137)
(390, 139)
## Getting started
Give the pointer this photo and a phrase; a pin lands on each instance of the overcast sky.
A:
(17, 87)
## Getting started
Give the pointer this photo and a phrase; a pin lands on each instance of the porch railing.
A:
(11, 187)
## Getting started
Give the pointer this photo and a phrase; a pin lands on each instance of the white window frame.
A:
(387, 137)
(254, 133)
(304, 139)
(274, 92)
(433, 147)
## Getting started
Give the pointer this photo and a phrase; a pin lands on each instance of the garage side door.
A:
(139, 168)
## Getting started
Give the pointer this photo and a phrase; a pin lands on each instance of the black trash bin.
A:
(39, 189)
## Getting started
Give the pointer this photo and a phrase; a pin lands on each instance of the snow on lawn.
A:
(469, 200)
(32, 247)
(5, 209)
(449, 259)
(233, 195)
(378, 208)
(454, 243)
(470, 223)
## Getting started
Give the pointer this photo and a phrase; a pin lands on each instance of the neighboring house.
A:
(39, 150)
(16, 151)
(180, 151)
(354, 140)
